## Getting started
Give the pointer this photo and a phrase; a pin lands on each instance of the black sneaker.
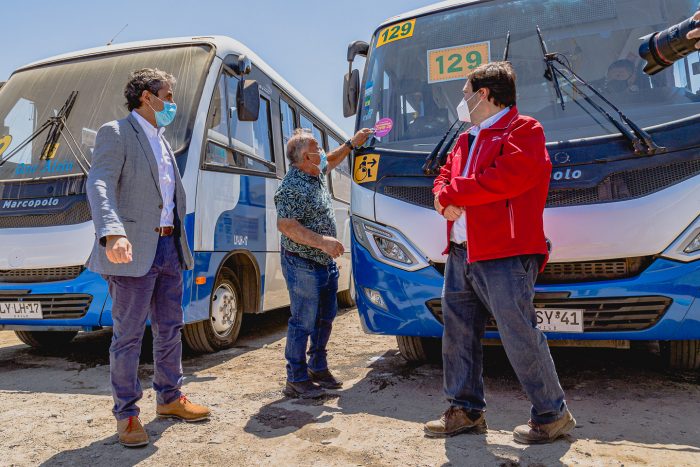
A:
(325, 379)
(303, 390)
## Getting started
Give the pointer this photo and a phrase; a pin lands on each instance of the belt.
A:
(462, 245)
(166, 231)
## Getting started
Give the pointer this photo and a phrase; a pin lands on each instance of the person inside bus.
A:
(306, 220)
(492, 192)
(137, 202)
(619, 79)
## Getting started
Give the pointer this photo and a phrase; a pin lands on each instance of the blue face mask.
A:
(166, 116)
(324, 161)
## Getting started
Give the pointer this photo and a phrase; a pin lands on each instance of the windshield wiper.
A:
(641, 141)
(55, 126)
(438, 156)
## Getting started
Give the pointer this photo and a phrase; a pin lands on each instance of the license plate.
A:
(551, 319)
(21, 310)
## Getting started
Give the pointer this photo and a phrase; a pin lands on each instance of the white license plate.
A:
(21, 310)
(551, 319)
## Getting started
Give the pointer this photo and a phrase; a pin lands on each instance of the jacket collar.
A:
(505, 121)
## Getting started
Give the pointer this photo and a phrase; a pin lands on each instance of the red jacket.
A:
(505, 189)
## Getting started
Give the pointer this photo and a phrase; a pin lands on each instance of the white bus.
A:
(230, 169)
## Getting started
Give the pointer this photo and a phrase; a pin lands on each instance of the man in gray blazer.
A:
(138, 208)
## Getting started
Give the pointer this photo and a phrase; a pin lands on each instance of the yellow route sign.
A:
(366, 168)
(5, 142)
(396, 32)
(456, 62)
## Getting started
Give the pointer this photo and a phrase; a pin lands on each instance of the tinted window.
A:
(288, 121)
(250, 137)
(217, 121)
(340, 177)
(308, 124)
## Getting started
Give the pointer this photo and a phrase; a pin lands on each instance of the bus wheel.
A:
(420, 349)
(346, 298)
(221, 330)
(46, 339)
(682, 355)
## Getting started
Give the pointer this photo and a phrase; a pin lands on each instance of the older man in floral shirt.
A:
(306, 220)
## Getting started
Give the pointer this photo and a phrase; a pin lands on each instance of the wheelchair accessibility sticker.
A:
(366, 168)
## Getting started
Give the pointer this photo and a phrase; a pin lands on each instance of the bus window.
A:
(340, 177)
(288, 117)
(218, 121)
(251, 141)
(308, 124)
(253, 138)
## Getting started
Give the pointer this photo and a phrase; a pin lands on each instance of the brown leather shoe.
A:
(534, 433)
(454, 421)
(131, 433)
(325, 379)
(183, 409)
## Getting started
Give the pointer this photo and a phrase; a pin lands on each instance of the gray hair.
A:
(145, 79)
(296, 145)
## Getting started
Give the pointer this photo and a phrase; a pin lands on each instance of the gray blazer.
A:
(125, 199)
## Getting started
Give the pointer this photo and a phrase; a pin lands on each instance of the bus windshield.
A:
(417, 68)
(32, 96)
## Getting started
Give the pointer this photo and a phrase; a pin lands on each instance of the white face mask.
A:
(463, 111)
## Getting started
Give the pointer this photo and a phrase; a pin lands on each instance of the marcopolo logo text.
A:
(29, 203)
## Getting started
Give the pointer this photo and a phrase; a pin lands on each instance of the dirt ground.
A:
(56, 408)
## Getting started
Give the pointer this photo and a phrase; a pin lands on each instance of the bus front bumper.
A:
(69, 305)
(411, 301)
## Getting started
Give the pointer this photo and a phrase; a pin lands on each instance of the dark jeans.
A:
(158, 296)
(505, 288)
(312, 292)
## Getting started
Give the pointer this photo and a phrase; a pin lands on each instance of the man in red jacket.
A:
(492, 191)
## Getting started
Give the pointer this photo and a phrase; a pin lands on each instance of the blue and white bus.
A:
(623, 210)
(230, 169)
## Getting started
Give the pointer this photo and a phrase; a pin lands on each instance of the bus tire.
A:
(46, 339)
(416, 349)
(682, 355)
(221, 330)
(346, 298)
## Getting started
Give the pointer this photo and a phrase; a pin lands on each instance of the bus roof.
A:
(447, 4)
(223, 45)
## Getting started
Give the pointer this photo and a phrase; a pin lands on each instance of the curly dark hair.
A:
(145, 79)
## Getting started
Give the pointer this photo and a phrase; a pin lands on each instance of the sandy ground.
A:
(56, 408)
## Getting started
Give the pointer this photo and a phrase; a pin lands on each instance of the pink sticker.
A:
(383, 127)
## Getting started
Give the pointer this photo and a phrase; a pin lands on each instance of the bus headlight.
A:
(686, 247)
(388, 245)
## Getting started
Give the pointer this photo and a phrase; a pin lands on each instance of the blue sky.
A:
(304, 40)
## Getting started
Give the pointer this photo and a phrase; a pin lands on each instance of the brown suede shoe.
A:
(534, 433)
(454, 421)
(131, 433)
(183, 409)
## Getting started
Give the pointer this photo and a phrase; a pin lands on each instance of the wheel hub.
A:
(223, 310)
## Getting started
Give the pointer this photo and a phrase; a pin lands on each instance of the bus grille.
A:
(599, 314)
(58, 306)
(591, 271)
(615, 187)
(41, 275)
(626, 185)
(418, 195)
(76, 214)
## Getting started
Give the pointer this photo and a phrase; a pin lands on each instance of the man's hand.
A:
(452, 213)
(695, 33)
(331, 246)
(438, 206)
(360, 137)
(118, 249)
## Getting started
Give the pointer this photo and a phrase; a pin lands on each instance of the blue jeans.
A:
(312, 292)
(505, 288)
(158, 296)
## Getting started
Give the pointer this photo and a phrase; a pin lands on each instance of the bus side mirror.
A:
(351, 82)
(351, 92)
(247, 100)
